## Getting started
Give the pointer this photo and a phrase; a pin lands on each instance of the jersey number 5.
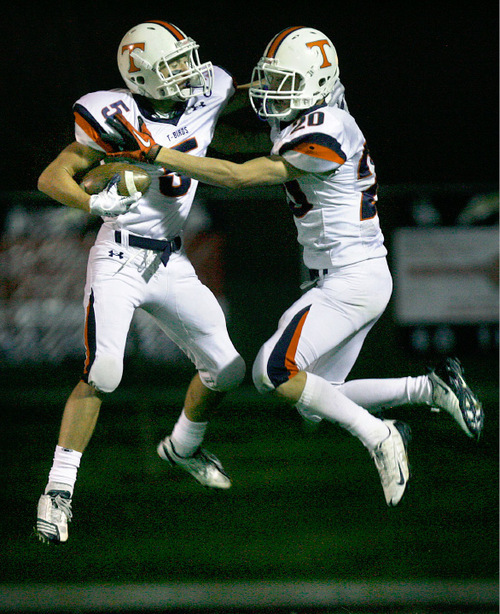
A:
(173, 184)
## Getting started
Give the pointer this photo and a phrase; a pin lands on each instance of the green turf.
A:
(306, 503)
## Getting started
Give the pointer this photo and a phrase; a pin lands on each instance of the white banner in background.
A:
(446, 275)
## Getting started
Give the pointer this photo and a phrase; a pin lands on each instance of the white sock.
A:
(187, 436)
(378, 394)
(320, 399)
(64, 469)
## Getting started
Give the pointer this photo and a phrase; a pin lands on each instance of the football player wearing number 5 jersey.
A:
(138, 260)
(321, 156)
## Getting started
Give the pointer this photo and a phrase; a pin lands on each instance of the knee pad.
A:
(106, 373)
(259, 375)
(227, 377)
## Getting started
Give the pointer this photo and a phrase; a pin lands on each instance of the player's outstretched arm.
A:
(266, 170)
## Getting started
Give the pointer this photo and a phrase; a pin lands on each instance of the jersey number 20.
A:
(299, 204)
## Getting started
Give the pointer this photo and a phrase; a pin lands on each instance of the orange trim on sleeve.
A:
(319, 151)
(91, 132)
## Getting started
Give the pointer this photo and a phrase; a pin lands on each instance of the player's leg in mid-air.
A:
(192, 317)
(327, 326)
(297, 348)
(109, 309)
(443, 388)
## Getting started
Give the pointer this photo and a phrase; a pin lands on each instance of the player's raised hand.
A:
(109, 203)
(130, 142)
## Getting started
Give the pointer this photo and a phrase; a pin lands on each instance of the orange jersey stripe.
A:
(273, 46)
(290, 364)
(171, 28)
(318, 151)
(91, 132)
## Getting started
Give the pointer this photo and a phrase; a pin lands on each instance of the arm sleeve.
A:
(315, 152)
(88, 131)
(90, 112)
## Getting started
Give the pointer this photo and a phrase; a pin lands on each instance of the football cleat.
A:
(203, 466)
(451, 393)
(391, 461)
(53, 515)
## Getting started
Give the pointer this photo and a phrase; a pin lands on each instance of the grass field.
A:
(306, 503)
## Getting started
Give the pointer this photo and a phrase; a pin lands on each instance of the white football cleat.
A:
(53, 515)
(206, 468)
(451, 393)
(391, 461)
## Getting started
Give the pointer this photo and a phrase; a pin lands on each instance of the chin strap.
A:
(336, 98)
(140, 62)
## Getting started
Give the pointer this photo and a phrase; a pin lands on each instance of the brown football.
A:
(132, 178)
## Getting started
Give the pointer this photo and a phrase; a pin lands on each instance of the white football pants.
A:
(323, 333)
(122, 279)
(324, 330)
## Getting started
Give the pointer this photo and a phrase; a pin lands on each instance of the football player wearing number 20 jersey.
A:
(321, 156)
(138, 260)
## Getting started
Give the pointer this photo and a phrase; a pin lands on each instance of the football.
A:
(132, 178)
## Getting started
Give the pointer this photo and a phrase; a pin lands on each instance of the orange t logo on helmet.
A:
(321, 44)
(130, 48)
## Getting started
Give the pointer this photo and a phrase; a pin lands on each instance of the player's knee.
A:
(106, 373)
(260, 377)
(262, 383)
(227, 377)
(231, 375)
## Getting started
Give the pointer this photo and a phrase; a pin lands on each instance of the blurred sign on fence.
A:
(446, 277)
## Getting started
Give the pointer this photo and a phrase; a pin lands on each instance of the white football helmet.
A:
(159, 61)
(298, 69)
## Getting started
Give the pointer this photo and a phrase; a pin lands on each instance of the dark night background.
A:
(421, 78)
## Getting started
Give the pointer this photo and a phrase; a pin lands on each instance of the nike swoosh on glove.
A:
(109, 203)
(130, 142)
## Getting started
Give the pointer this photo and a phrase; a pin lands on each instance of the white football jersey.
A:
(163, 210)
(334, 205)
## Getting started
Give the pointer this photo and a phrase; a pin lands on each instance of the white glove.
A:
(109, 203)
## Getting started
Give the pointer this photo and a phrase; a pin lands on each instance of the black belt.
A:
(314, 273)
(166, 247)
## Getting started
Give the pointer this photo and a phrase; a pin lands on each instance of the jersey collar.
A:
(148, 111)
(283, 125)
